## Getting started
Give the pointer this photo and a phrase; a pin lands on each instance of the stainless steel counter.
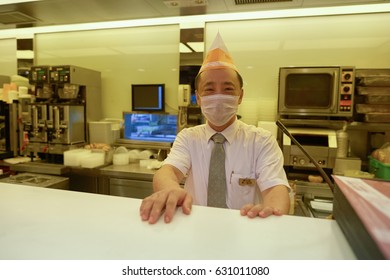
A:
(132, 171)
(129, 180)
(38, 180)
(41, 167)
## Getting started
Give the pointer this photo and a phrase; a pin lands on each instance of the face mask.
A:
(219, 108)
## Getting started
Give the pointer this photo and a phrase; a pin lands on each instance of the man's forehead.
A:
(219, 75)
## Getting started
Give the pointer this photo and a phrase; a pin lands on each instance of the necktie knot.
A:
(218, 138)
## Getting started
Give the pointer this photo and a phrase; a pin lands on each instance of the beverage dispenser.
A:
(67, 98)
(33, 112)
(66, 124)
(77, 101)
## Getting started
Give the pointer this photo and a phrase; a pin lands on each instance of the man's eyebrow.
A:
(209, 83)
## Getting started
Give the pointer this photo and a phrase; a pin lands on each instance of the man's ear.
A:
(241, 96)
(197, 98)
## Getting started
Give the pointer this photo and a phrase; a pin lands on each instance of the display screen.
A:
(150, 127)
(148, 97)
(314, 90)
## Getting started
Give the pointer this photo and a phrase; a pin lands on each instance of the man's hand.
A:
(276, 201)
(153, 206)
(260, 210)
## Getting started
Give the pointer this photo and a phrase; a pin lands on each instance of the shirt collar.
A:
(228, 133)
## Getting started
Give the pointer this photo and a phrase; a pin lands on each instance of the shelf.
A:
(337, 124)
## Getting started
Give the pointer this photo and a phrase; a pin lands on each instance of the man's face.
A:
(218, 81)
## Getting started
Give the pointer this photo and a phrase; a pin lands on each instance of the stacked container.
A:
(373, 89)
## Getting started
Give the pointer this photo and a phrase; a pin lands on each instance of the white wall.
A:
(260, 47)
(124, 56)
(8, 60)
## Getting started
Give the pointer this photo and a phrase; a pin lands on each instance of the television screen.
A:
(147, 97)
(150, 127)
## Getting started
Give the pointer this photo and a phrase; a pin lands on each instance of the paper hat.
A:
(218, 56)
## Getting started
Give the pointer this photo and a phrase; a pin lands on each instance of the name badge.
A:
(247, 182)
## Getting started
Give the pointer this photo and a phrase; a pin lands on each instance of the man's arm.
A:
(276, 201)
(167, 196)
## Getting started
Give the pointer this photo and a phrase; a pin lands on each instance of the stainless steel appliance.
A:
(321, 144)
(39, 78)
(326, 91)
(66, 98)
(66, 124)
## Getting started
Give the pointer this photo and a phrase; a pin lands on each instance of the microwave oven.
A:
(316, 91)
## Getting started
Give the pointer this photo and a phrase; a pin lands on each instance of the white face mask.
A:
(219, 108)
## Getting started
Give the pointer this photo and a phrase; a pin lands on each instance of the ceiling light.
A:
(185, 49)
(7, 2)
(184, 3)
(196, 46)
(182, 20)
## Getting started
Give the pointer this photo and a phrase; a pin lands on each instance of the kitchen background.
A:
(132, 53)
(140, 42)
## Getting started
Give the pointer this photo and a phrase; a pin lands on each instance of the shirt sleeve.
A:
(269, 164)
(179, 156)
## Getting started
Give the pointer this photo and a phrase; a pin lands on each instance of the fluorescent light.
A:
(196, 46)
(183, 20)
(6, 2)
(184, 49)
(27, 54)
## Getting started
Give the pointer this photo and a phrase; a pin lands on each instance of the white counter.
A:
(39, 223)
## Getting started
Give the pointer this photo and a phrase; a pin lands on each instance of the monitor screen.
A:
(150, 127)
(313, 90)
(147, 97)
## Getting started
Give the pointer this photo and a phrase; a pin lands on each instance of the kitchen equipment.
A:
(66, 124)
(68, 91)
(316, 91)
(67, 97)
(39, 79)
(321, 144)
(38, 180)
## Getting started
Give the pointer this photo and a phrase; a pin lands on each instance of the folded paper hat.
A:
(218, 56)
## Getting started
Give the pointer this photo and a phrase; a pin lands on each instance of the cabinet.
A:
(129, 180)
(130, 188)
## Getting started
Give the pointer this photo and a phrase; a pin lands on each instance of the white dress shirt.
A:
(253, 161)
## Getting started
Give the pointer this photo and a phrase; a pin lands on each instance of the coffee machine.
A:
(57, 120)
(33, 113)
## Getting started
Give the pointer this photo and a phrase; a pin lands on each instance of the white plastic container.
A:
(73, 157)
(92, 160)
(120, 159)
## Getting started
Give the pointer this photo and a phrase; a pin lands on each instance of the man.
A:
(251, 158)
